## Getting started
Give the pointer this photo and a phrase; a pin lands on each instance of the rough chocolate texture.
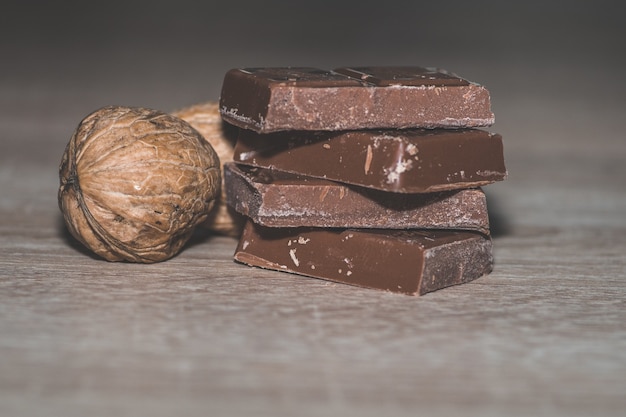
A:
(410, 261)
(273, 99)
(277, 199)
(406, 161)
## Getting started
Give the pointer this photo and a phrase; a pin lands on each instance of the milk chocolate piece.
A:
(277, 199)
(406, 161)
(273, 99)
(411, 262)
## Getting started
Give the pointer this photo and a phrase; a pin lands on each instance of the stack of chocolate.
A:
(366, 176)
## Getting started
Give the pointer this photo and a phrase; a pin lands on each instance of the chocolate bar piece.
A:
(406, 161)
(273, 99)
(277, 199)
(409, 261)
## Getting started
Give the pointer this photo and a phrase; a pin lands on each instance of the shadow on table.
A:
(498, 222)
(71, 241)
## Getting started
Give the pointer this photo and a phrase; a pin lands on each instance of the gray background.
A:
(555, 71)
(74, 56)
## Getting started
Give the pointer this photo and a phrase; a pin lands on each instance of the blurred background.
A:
(554, 69)
(78, 55)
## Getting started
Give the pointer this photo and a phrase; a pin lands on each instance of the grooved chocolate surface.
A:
(410, 261)
(406, 161)
(277, 199)
(402, 76)
(273, 99)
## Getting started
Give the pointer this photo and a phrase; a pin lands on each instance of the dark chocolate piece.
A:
(411, 262)
(278, 199)
(407, 161)
(273, 99)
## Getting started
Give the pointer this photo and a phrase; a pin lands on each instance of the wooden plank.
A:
(543, 335)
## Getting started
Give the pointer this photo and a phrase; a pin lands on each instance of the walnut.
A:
(135, 182)
(206, 119)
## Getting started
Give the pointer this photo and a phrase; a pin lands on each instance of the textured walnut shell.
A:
(135, 182)
(206, 119)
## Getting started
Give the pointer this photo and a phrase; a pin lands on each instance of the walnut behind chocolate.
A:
(205, 118)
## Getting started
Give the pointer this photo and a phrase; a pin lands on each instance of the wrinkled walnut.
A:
(206, 119)
(135, 182)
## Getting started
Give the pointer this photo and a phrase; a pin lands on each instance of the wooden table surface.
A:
(543, 335)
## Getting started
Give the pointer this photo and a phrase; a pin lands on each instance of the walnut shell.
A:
(206, 119)
(135, 182)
